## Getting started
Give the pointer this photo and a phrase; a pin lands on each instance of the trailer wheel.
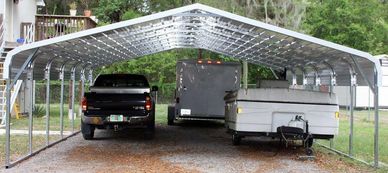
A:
(310, 142)
(236, 139)
(87, 131)
(309, 152)
(170, 115)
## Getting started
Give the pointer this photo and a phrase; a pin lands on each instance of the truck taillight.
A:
(84, 104)
(148, 104)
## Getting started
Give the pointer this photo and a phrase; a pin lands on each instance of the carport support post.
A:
(333, 82)
(245, 74)
(304, 76)
(376, 105)
(61, 77)
(294, 80)
(30, 80)
(72, 96)
(47, 76)
(353, 82)
(7, 121)
(90, 78)
(82, 89)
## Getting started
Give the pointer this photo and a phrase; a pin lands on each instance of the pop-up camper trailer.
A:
(274, 110)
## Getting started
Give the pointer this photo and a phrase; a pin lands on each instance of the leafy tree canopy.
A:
(356, 23)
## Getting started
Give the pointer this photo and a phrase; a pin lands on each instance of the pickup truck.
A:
(118, 101)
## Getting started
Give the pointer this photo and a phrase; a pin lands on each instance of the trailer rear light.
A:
(148, 104)
(239, 110)
(84, 104)
(337, 115)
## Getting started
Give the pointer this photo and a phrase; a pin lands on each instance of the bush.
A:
(39, 111)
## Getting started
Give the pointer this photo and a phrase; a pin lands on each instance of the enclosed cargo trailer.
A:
(200, 88)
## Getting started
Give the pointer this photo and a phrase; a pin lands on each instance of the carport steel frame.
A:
(252, 41)
(28, 65)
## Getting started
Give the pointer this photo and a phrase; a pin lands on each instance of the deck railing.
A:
(2, 33)
(49, 26)
(27, 32)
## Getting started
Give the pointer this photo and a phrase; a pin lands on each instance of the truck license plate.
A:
(185, 111)
(116, 118)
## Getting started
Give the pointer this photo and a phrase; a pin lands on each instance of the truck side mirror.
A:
(154, 88)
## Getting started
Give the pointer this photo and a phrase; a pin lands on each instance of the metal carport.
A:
(193, 26)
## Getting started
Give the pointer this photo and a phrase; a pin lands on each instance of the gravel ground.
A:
(189, 147)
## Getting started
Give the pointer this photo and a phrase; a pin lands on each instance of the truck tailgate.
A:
(106, 104)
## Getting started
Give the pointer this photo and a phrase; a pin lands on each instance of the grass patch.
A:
(363, 135)
(39, 122)
(333, 162)
(19, 145)
(161, 114)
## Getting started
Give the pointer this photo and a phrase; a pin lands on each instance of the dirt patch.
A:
(119, 160)
(335, 163)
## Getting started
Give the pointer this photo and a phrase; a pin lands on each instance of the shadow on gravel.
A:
(200, 123)
(198, 133)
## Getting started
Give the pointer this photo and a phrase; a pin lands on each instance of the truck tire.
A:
(87, 131)
(151, 123)
(170, 115)
(149, 132)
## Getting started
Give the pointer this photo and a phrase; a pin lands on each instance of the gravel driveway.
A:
(190, 147)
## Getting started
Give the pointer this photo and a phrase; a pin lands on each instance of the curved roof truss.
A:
(195, 26)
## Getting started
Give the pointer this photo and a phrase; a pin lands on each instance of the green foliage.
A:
(154, 6)
(112, 10)
(358, 24)
(73, 6)
(130, 14)
(39, 111)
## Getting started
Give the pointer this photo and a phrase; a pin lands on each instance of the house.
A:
(20, 24)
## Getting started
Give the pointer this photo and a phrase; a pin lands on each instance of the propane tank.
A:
(298, 122)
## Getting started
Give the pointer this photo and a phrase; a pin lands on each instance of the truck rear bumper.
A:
(134, 120)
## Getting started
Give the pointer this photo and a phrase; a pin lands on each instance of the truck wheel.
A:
(149, 133)
(87, 131)
(236, 139)
(170, 115)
